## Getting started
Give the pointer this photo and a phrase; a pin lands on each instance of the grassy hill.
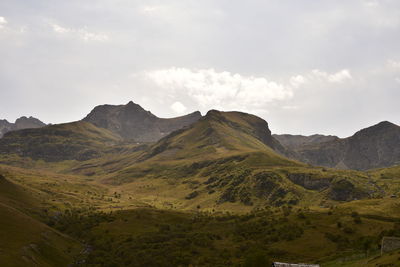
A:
(225, 161)
(69, 141)
(25, 240)
(221, 192)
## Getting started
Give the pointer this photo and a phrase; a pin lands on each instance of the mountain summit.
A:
(219, 134)
(132, 122)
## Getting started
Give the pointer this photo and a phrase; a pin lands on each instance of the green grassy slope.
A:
(218, 134)
(223, 191)
(150, 237)
(225, 161)
(26, 241)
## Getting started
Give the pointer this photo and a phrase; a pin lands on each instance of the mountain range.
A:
(122, 187)
(373, 147)
(132, 122)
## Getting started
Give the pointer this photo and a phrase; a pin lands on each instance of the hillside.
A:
(69, 141)
(374, 147)
(132, 122)
(226, 160)
(26, 241)
(219, 134)
(219, 192)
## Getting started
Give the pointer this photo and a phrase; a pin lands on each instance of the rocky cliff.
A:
(374, 147)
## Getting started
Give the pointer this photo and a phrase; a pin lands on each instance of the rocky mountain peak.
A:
(20, 123)
(25, 123)
(374, 147)
(380, 128)
(132, 122)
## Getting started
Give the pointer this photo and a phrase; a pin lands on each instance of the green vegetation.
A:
(70, 141)
(218, 193)
(151, 237)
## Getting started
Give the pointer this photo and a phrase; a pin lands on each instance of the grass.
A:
(214, 194)
(25, 240)
(153, 237)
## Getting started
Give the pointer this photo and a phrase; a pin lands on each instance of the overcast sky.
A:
(305, 66)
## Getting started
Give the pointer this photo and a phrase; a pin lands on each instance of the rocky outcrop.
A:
(5, 127)
(20, 123)
(344, 190)
(309, 181)
(132, 122)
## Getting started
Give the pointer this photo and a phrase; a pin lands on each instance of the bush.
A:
(256, 259)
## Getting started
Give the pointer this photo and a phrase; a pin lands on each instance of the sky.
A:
(305, 66)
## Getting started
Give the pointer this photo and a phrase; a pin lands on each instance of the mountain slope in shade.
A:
(132, 122)
(374, 147)
(20, 123)
(69, 141)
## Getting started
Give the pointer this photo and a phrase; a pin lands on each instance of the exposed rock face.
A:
(20, 123)
(132, 122)
(374, 147)
(5, 127)
(27, 123)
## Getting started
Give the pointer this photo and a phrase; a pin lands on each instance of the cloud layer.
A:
(305, 66)
(210, 88)
(82, 33)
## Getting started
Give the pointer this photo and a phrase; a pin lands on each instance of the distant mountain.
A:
(296, 141)
(5, 126)
(132, 122)
(374, 147)
(225, 158)
(20, 123)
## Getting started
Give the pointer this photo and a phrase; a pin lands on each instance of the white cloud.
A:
(150, 9)
(90, 36)
(178, 107)
(3, 22)
(340, 76)
(371, 3)
(297, 81)
(394, 65)
(57, 28)
(337, 77)
(211, 89)
(81, 33)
